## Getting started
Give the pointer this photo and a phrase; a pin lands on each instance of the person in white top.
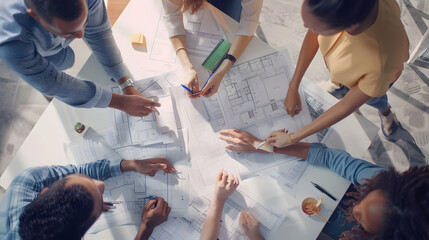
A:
(249, 21)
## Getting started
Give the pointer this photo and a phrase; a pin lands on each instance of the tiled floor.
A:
(282, 27)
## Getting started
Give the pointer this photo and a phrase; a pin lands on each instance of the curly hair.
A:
(59, 213)
(341, 13)
(407, 212)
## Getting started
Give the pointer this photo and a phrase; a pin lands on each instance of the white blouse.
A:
(249, 20)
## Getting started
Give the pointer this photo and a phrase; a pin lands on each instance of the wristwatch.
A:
(230, 57)
(128, 83)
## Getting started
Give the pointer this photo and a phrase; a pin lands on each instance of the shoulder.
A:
(12, 18)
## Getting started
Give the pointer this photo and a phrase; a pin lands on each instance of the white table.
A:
(44, 145)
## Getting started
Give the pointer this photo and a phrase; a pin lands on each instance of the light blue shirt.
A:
(24, 43)
(353, 169)
(27, 186)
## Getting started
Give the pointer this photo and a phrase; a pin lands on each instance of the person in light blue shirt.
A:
(386, 204)
(34, 42)
(62, 202)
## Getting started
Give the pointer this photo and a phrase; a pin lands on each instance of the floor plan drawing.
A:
(190, 227)
(159, 126)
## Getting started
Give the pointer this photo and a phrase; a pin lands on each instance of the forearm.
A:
(352, 101)
(99, 36)
(46, 78)
(237, 48)
(107, 52)
(211, 225)
(309, 49)
(100, 170)
(239, 44)
(299, 150)
(179, 45)
(144, 232)
(128, 165)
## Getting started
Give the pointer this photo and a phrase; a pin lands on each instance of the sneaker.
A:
(389, 123)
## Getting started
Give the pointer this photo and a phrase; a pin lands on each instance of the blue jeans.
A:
(381, 103)
(231, 8)
(64, 59)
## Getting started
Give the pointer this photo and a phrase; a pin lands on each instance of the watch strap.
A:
(230, 57)
(128, 83)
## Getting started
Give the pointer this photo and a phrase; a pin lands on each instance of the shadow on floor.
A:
(405, 141)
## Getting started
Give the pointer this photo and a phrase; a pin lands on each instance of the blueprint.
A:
(159, 126)
(131, 187)
(250, 98)
(190, 227)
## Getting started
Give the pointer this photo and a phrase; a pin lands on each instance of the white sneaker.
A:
(389, 123)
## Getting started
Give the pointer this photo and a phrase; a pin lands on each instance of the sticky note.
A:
(267, 147)
(138, 39)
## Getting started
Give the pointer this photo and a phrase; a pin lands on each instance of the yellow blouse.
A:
(372, 59)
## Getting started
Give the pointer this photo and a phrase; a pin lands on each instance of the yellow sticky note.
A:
(138, 39)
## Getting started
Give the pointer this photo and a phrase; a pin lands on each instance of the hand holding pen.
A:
(191, 83)
(280, 139)
(265, 141)
(195, 93)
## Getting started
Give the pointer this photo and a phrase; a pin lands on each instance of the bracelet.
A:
(180, 48)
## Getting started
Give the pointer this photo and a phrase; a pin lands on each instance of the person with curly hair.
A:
(244, 11)
(386, 204)
(62, 202)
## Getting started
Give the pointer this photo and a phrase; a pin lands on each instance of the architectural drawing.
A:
(131, 188)
(190, 227)
(154, 128)
(250, 98)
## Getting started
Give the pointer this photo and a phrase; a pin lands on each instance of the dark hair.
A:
(407, 210)
(341, 13)
(67, 10)
(59, 213)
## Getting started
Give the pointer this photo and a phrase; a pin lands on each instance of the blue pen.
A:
(207, 80)
(185, 87)
(151, 197)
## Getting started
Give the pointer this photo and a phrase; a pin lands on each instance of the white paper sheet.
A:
(190, 227)
(132, 187)
(250, 98)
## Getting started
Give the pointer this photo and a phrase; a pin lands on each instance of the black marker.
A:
(324, 191)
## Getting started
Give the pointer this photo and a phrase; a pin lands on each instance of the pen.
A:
(261, 144)
(207, 80)
(265, 141)
(324, 191)
(185, 87)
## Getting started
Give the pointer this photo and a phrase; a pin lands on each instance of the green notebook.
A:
(216, 57)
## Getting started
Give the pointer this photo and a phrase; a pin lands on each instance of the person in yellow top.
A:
(364, 45)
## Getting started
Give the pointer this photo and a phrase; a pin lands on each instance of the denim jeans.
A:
(231, 8)
(381, 103)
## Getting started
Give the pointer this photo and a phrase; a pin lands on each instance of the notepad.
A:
(216, 57)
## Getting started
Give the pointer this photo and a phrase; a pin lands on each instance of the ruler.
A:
(216, 57)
